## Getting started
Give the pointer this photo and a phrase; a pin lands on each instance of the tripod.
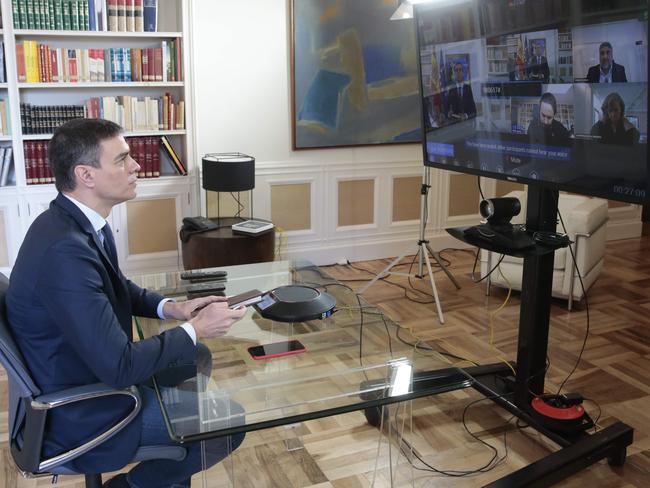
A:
(422, 248)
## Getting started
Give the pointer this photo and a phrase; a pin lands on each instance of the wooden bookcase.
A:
(166, 199)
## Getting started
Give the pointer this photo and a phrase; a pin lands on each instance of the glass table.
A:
(354, 360)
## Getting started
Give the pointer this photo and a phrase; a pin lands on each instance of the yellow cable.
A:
(494, 314)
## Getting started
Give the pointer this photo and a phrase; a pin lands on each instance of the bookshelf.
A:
(170, 196)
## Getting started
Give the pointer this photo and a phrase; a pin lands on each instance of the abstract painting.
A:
(354, 74)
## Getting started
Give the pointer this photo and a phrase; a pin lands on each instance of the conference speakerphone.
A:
(295, 303)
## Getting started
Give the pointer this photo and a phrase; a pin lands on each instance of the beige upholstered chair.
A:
(585, 220)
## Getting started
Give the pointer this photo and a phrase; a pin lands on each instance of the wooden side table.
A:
(222, 247)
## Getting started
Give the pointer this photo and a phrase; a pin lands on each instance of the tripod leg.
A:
(384, 272)
(433, 285)
(436, 256)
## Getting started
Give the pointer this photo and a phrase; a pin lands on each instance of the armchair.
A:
(585, 220)
(28, 410)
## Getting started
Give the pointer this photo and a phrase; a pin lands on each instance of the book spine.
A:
(130, 19)
(127, 64)
(22, 13)
(149, 14)
(121, 15)
(155, 154)
(112, 15)
(74, 15)
(30, 14)
(67, 21)
(50, 9)
(138, 20)
(92, 16)
(16, 13)
(148, 158)
(158, 63)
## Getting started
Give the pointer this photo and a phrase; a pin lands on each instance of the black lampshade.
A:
(228, 172)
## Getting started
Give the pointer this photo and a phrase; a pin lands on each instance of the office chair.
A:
(28, 412)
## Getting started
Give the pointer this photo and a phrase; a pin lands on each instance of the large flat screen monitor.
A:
(553, 92)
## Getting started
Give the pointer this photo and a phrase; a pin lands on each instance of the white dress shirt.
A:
(98, 222)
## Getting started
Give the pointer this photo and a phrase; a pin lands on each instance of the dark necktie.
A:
(109, 244)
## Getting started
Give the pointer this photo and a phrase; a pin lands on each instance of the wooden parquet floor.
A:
(341, 451)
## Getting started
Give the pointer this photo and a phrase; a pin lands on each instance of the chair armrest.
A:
(586, 217)
(78, 394)
(28, 457)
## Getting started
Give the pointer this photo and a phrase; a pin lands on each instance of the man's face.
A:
(606, 56)
(116, 178)
(546, 114)
(458, 69)
(538, 50)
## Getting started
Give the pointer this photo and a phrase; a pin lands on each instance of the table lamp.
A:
(229, 172)
(232, 172)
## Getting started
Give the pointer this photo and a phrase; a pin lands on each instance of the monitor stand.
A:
(578, 449)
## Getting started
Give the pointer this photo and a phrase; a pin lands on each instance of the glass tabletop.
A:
(353, 360)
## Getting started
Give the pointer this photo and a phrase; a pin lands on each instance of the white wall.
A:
(243, 86)
(243, 103)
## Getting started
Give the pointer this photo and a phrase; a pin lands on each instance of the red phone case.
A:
(276, 355)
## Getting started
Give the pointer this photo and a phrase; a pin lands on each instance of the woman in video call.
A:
(613, 127)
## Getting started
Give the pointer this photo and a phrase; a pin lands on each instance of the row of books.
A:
(147, 151)
(139, 113)
(86, 15)
(132, 113)
(4, 118)
(7, 175)
(43, 119)
(37, 169)
(40, 63)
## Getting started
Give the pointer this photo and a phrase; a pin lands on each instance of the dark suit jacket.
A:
(539, 71)
(466, 105)
(556, 134)
(618, 74)
(70, 311)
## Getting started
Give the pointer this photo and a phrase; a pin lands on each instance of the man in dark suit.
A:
(70, 309)
(461, 98)
(544, 129)
(538, 69)
(607, 71)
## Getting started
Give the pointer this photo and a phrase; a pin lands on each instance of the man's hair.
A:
(613, 98)
(605, 44)
(550, 99)
(77, 142)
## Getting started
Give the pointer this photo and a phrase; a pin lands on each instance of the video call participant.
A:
(70, 309)
(544, 129)
(607, 71)
(461, 98)
(613, 127)
(538, 69)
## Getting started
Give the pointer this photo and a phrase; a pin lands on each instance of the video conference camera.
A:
(499, 211)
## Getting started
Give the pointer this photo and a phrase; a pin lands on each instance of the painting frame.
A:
(326, 105)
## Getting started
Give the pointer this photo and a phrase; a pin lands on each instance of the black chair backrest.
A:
(21, 384)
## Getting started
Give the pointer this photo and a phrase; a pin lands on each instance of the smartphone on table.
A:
(276, 349)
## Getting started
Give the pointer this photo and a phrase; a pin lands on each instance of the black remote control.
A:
(203, 275)
(199, 294)
(205, 287)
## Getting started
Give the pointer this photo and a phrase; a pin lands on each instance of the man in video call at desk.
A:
(607, 71)
(70, 309)
(544, 129)
(461, 98)
(538, 69)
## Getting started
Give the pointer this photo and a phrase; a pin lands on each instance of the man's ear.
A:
(84, 175)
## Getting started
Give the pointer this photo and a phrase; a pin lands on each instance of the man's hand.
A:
(215, 319)
(189, 308)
